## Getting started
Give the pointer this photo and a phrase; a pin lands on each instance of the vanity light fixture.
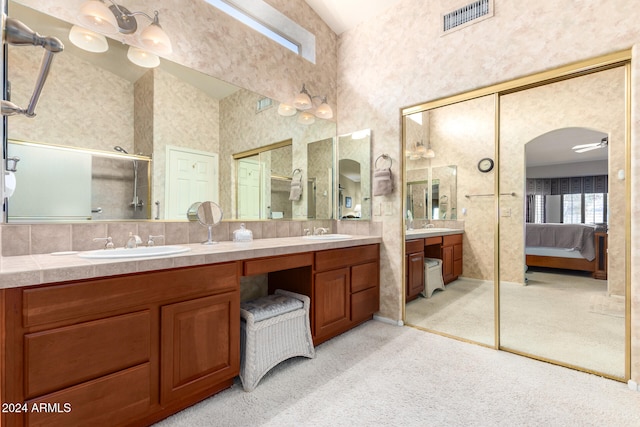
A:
(304, 102)
(88, 40)
(142, 58)
(419, 151)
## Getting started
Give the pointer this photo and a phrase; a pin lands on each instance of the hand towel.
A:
(296, 191)
(382, 182)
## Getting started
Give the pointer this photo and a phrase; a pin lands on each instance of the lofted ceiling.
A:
(343, 15)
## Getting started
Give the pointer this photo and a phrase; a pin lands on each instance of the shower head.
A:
(120, 149)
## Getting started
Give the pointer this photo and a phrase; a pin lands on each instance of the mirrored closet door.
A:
(449, 250)
(562, 236)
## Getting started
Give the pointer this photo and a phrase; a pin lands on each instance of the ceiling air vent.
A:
(467, 15)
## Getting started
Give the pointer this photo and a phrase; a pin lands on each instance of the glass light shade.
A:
(430, 154)
(302, 101)
(324, 111)
(97, 16)
(306, 118)
(142, 58)
(154, 39)
(88, 40)
(286, 110)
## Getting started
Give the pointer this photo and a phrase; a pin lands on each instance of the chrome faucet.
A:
(429, 226)
(151, 241)
(306, 232)
(320, 230)
(133, 241)
(108, 242)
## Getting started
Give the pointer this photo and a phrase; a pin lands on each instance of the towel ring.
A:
(384, 157)
(297, 170)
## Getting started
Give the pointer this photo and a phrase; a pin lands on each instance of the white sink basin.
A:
(328, 237)
(143, 251)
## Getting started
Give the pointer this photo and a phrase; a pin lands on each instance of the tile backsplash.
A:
(30, 239)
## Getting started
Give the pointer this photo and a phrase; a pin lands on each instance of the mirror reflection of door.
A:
(562, 238)
(460, 134)
(249, 188)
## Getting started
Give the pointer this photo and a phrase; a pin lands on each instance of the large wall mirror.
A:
(180, 127)
(558, 194)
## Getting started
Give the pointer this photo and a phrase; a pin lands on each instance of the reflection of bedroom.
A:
(566, 204)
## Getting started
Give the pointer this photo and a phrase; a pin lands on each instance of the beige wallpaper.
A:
(408, 62)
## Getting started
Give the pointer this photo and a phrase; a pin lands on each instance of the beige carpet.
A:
(561, 316)
(383, 375)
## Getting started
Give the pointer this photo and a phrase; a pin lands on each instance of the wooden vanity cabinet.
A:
(346, 289)
(414, 277)
(125, 350)
(451, 257)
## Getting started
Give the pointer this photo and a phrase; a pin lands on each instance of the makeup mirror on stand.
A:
(209, 214)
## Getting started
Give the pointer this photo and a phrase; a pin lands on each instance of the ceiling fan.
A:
(593, 146)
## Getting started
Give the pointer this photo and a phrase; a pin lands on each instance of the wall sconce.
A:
(419, 151)
(304, 102)
(99, 19)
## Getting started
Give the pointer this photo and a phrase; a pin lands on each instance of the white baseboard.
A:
(633, 385)
(387, 320)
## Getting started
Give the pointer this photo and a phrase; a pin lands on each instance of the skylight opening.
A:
(269, 22)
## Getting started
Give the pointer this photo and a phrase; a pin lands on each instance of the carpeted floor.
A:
(561, 316)
(383, 375)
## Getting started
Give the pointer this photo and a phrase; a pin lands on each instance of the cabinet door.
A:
(331, 302)
(457, 260)
(415, 277)
(200, 344)
(447, 264)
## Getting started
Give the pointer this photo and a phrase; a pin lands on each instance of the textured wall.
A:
(408, 63)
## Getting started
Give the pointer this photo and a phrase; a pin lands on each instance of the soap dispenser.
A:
(242, 234)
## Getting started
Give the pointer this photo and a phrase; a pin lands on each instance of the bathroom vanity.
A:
(135, 347)
(444, 244)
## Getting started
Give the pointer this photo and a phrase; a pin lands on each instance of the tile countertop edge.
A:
(427, 233)
(32, 270)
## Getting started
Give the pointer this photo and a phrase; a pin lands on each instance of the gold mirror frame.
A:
(605, 62)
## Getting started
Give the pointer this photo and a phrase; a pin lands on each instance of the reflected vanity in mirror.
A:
(354, 175)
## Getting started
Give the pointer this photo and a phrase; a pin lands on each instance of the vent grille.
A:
(466, 14)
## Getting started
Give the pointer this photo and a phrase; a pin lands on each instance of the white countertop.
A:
(30, 270)
(420, 233)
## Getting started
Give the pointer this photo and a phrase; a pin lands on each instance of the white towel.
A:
(296, 191)
(382, 182)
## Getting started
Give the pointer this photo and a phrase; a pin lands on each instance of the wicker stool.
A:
(273, 329)
(432, 276)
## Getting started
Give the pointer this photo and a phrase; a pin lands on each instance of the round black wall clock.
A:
(485, 165)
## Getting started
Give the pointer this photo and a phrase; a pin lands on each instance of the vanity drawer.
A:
(338, 258)
(452, 239)
(89, 299)
(364, 304)
(413, 246)
(278, 263)
(109, 401)
(63, 357)
(364, 276)
(429, 241)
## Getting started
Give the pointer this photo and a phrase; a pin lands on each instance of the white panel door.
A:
(248, 189)
(192, 176)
